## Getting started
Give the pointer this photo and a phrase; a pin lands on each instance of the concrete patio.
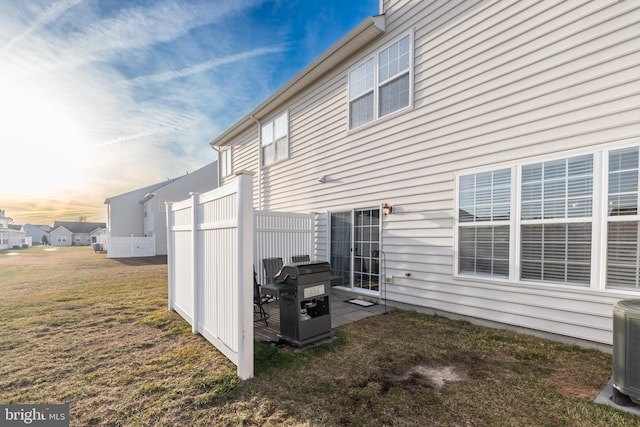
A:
(342, 313)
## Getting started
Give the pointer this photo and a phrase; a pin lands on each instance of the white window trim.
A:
(377, 84)
(226, 162)
(288, 139)
(599, 220)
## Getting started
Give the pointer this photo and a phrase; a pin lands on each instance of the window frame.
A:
(599, 220)
(493, 223)
(378, 85)
(226, 162)
(616, 219)
(274, 142)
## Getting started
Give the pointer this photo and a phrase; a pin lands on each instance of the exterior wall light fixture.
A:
(387, 209)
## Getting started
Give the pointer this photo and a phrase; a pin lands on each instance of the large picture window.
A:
(274, 139)
(381, 84)
(572, 220)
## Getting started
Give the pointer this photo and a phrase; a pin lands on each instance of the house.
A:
(10, 235)
(475, 159)
(141, 212)
(99, 235)
(153, 203)
(39, 233)
(124, 211)
(74, 233)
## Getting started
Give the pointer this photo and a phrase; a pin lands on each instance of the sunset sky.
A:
(102, 97)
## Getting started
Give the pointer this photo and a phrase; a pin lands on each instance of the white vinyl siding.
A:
(381, 85)
(275, 139)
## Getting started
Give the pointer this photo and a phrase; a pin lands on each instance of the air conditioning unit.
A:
(626, 352)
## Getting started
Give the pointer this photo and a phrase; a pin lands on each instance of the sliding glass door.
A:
(340, 260)
(355, 249)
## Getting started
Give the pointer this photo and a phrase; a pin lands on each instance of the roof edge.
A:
(366, 31)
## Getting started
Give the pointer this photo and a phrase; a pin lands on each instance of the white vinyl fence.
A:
(210, 256)
(282, 235)
(211, 264)
(127, 247)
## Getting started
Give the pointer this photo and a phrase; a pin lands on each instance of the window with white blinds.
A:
(573, 220)
(623, 223)
(557, 203)
(484, 213)
(393, 76)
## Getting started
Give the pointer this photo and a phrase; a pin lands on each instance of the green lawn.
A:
(95, 333)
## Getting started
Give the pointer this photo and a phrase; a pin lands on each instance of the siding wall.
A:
(494, 82)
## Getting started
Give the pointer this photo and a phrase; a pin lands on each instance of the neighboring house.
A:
(141, 212)
(74, 233)
(10, 235)
(153, 203)
(124, 211)
(99, 235)
(39, 233)
(504, 140)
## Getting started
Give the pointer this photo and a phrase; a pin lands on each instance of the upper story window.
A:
(274, 139)
(225, 162)
(381, 84)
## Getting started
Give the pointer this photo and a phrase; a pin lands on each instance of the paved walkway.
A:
(342, 312)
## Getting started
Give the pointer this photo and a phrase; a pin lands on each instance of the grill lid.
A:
(294, 273)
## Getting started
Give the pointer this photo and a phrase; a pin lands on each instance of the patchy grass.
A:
(79, 328)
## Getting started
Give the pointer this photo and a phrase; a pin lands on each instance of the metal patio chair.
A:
(271, 267)
(258, 302)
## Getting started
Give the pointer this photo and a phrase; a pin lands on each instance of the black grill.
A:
(305, 317)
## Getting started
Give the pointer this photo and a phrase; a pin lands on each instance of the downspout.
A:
(259, 163)
(381, 7)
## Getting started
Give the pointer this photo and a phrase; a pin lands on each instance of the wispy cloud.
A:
(160, 21)
(136, 136)
(49, 15)
(205, 66)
